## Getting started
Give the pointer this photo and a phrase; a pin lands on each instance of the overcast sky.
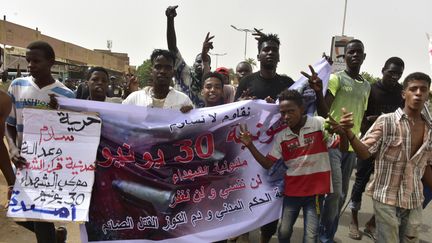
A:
(387, 27)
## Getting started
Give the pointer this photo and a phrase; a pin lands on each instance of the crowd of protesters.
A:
(383, 130)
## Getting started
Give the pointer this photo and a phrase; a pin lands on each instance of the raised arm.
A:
(207, 46)
(246, 139)
(347, 123)
(171, 13)
(316, 84)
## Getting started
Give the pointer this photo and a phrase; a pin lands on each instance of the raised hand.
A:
(258, 34)
(171, 12)
(245, 135)
(246, 95)
(207, 46)
(314, 81)
(346, 120)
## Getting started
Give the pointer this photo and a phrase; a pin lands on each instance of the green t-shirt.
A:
(351, 94)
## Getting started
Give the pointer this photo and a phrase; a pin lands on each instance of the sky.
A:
(386, 27)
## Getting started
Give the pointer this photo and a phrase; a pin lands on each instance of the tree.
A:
(144, 72)
(252, 62)
(369, 77)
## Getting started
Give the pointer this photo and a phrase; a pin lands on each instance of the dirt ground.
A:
(12, 233)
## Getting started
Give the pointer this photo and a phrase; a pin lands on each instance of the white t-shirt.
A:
(25, 93)
(144, 97)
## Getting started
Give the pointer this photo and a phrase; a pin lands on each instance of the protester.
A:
(82, 91)
(114, 89)
(161, 95)
(265, 84)
(213, 90)
(345, 89)
(33, 91)
(188, 79)
(243, 69)
(308, 176)
(385, 97)
(131, 84)
(401, 144)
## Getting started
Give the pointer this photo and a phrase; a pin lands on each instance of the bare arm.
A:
(361, 149)
(328, 100)
(5, 164)
(246, 139)
(14, 151)
(171, 34)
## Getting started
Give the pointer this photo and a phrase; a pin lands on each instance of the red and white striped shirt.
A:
(306, 156)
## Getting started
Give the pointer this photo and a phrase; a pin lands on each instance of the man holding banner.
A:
(30, 92)
(161, 95)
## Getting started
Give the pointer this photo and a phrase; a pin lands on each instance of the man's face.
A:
(354, 55)
(98, 84)
(162, 71)
(243, 70)
(212, 91)
(38, 63)
(197, 66)
(416, 94)
(269, 54)
(291, 113)
(391, 75)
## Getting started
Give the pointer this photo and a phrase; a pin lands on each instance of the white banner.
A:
(60, 151)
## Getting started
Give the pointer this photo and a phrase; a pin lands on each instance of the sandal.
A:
(354, 233)
(370, 231)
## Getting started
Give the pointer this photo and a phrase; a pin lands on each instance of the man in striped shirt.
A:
(303, 148)
(401, 143)
(33, 91)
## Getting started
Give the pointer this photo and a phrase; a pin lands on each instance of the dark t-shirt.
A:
(381, 100)
(261, 88)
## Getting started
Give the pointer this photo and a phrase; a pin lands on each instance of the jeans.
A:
(394, 224)
(342, 165)
(365, 169)
(311, 210)
(427, 192)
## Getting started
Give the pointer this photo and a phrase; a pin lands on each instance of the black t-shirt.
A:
(381, 100)
(261, 88)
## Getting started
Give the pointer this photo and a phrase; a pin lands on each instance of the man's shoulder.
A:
(285, 78)
(62, 90)
(251, 77)
(22, 82)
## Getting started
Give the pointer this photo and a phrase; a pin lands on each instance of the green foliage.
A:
(369, 77)
(252, 62)
(144, 72)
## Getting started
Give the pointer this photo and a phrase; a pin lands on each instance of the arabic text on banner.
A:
(166, 176)
(60, 150)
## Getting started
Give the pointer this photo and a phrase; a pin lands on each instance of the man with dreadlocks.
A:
(265, 84)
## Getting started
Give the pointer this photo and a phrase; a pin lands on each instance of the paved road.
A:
(12, 233)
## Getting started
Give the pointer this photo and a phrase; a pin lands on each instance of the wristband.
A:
(352, 138)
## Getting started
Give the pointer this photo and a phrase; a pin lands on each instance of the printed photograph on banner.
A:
(183, 177)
